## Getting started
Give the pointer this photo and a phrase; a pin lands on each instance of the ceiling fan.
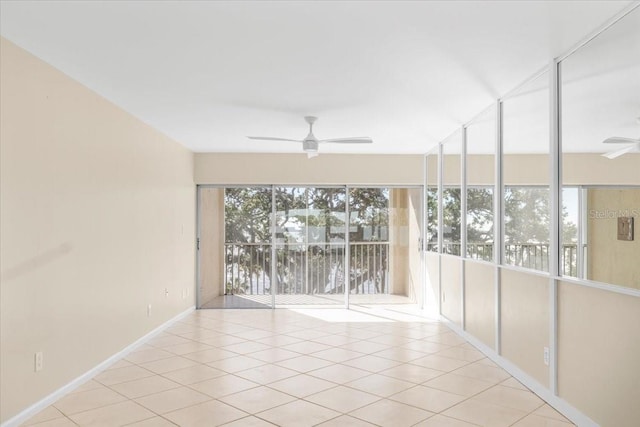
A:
(633, 148)
(310, 142)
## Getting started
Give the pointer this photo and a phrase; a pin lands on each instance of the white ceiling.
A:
(210, 73)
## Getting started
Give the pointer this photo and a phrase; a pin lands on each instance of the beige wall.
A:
(451, 290)
(480, 169)
(404, 220)
(611, 260)
(598, 353)
(480, 301)
(525, 169)
(594, 169)
(97, 218)
(340, 169)
(533, 169)
(431, 163)
(432, 287)
(525, 321)
(211, 253)
(451, 169)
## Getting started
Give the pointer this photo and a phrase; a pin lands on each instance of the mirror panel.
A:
(451, 194)
(481, 147)
(600, 87)
(431, 185)
(526, 195)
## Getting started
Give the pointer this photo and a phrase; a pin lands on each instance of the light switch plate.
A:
(625, 228)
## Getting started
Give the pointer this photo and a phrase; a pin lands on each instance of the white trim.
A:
(524, 83)
(602, 28)
(423, 233)
(582, 223)
(65, 389)
(518, 269)
(479, 115)
(544, 393)
(463, 224)
(273, 280)
(498, 227)
(347, 244)
(480, 261)
(601, 286)
(440, 179)
(198, 218)
(555, 240)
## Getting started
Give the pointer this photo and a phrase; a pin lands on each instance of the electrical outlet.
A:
(166, 292)
(546, 356)
(38, 361)
(149, 310)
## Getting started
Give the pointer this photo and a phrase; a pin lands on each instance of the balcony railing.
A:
(527, 255)
(306, 268)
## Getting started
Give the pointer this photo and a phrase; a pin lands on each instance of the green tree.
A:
(526, 215)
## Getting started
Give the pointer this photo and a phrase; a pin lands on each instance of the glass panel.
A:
(326, 241)
(431, 235)
(369, 240)
(481, 143)
(526, 176)
(310, 245)
(526, 224)
(600, 86)
(385, 253)
(569, 260)
(451, 194)
(247, 228)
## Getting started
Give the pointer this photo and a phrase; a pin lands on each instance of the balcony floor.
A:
(311, 301)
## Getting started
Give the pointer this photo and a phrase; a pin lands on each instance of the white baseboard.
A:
(62, 391)
(561, 405)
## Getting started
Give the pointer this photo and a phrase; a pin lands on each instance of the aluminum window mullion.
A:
(274, 251)
(498, 225)
(463, 223)
(440, 224)
(347, 250)
(555, 146)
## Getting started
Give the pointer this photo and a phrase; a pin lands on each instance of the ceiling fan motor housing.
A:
(310, 145)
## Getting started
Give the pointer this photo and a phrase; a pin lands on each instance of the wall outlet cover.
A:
(625, 228)
(38, 361)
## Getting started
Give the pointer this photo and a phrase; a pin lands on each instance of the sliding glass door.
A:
(267, 246)
(310, 245)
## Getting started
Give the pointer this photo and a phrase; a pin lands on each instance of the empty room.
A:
(319, 213)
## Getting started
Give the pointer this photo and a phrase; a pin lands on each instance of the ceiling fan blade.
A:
(269, 138)
(354, 140)
(617, 153)
(620, 140)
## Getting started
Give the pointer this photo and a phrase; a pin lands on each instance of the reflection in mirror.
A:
(481, 143)
(526, 175)
(431, 234)
(600, 86)
(451, 194)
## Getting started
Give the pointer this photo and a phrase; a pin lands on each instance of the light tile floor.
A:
(303, 367)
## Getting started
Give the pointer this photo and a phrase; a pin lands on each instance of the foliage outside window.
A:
(480, 223)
